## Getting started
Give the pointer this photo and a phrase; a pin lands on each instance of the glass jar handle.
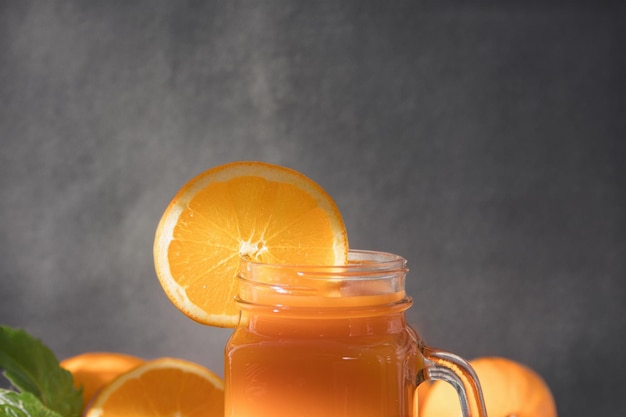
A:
(448, 367)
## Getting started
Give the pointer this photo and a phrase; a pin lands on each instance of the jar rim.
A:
(362, 264)
(369, 278)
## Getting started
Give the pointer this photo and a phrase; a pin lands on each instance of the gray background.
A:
(482, 142)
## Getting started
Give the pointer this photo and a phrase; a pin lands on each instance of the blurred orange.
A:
(93, 370)
(509, 389)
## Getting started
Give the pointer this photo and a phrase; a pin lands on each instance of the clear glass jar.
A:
(332, 341)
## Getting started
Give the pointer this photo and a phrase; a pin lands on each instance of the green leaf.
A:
(23, 404)
(32, 368)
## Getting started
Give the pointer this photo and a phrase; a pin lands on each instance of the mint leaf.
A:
(22, 404)
(32, 368)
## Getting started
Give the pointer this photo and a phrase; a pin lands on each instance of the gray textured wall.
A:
(483, 143)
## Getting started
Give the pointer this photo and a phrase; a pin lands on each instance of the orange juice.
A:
(332, 366)
(329, 342)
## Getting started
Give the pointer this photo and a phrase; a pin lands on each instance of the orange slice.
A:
(260, 211)
(94, 370)
(161, 387)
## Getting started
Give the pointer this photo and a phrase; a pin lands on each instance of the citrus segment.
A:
(161, 387)
(263, 212)
(93, 370)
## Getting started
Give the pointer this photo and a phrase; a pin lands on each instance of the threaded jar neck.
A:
(369, 279)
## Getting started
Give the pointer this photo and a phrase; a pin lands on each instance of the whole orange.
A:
(93, 370)
(510, 389)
